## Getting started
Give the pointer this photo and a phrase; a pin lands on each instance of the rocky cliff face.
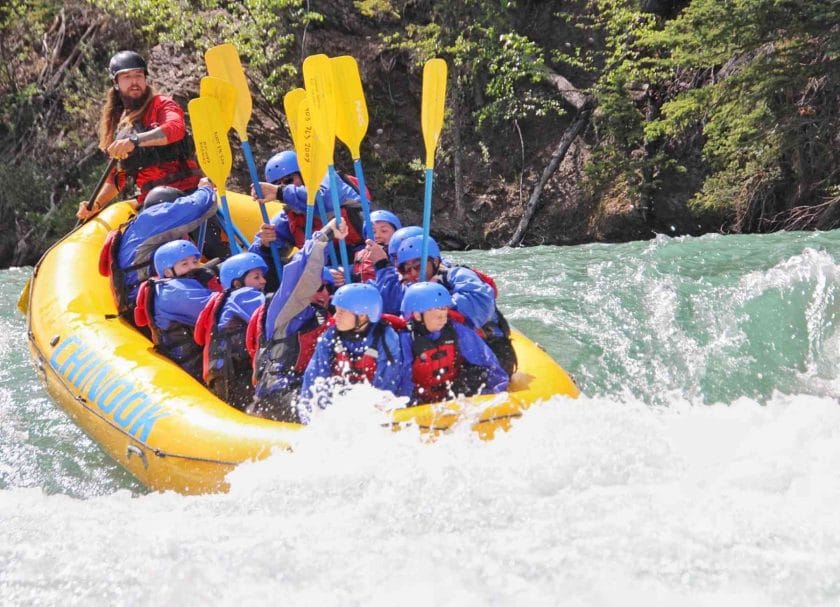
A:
(483, 183)
(494, 191)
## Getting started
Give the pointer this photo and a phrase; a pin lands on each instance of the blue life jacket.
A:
(126, 256)
(281, 361)
(226, 364)
(496, 331)
(176, 340)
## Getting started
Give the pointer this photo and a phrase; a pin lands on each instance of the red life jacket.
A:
(297, 226)
(109, 251)
(354, 183)
(437, 363)
(501, 345)
(203, 331)
(109, 267)
(397, 323)
(356, 369)
(144, 311)
(306, 342)
(253, 334)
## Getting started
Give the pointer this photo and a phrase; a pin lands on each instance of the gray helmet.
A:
(125, 61)
(162, 193)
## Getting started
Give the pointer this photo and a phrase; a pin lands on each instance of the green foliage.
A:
(31, 223)
(377, 9)
(739, 97)
(421, 41)
(619, 117)
(736, 74)
(764, 54)
(22, 25)
(516, 68)
(496, 72)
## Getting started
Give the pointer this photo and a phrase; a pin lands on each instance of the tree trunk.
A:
(650, 147)
(571, 133)
(457, 169)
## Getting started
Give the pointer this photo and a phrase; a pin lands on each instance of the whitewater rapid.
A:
(588, 502)
(700, 468)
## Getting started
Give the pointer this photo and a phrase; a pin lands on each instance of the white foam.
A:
(588, 502)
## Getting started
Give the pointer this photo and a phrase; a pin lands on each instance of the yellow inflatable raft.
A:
(155, 420)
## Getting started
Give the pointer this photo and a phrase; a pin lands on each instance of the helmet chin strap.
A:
(435, 268)
(358, 326)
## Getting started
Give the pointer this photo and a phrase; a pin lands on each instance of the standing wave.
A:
(707, 319)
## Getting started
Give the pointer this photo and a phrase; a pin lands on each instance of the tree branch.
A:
(568, 91)
(571, 133)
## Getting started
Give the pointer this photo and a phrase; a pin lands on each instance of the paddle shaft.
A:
(322, 213)
(202, 235)
(102, 179)
(310, 218)
(243, 242)
(255, 179)
(342, 246)
(427, 220)
(228, 225)
(360, 176)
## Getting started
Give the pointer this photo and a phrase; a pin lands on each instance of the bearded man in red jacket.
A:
(145, 131)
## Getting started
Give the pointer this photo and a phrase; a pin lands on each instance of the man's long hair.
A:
(112, 121)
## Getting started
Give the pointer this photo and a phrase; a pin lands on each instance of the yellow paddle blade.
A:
(291, 101)
(23, 300)
(305, 146)
(212, 147)
(318, 78)
(223, 62)
(321, 159)
(351, 117)
(431, 113)
(223, 92)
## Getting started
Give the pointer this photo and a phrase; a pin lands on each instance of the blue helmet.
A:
(172, 252)
(359, 298)
(412, 248)
(400, 235)
(422, 296)
(281, 165)
(239, 265)
(388, 216)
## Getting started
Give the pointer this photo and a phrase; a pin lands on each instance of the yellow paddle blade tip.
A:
(23, 300)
